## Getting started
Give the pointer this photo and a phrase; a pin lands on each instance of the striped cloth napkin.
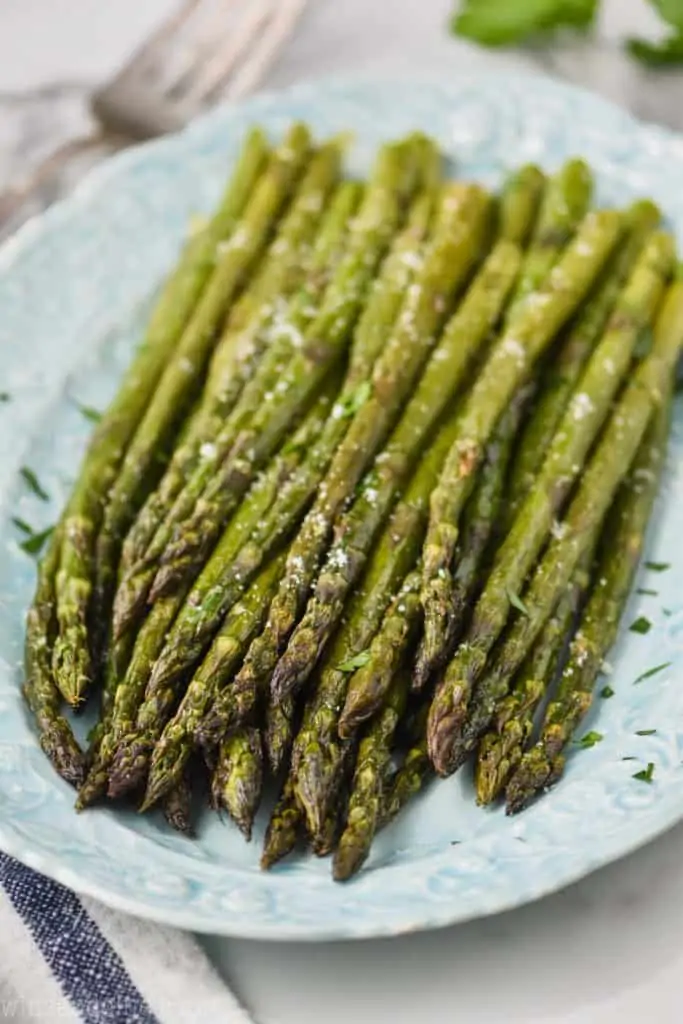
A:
(67, 958)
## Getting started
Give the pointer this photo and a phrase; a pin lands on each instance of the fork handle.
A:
(14, 200)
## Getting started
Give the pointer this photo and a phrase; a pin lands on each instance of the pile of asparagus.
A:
(378, 475)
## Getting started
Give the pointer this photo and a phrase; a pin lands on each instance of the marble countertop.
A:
(608, 950)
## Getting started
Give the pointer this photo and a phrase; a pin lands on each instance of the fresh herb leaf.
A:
(666, 53)
(34, 544)
(651, 672)
(357, 400)
(646, 593)
(357, 661)
(658, 566)
(671, 11)
(5, 396)
(606, 692)
(22, 525)
(630, 758)
(501, 22)
(646, 732)
(516, 602)
(89, 412)
(641, 625)
(590, 740)
(33, 483)
(646, 775)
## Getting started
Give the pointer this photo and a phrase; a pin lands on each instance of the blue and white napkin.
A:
(67, 958)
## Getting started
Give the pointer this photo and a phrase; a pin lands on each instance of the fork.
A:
(206, 51)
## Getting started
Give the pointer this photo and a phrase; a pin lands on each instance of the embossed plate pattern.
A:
(74, 289)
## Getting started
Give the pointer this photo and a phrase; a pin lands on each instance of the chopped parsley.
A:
(590, 740)
(646, 732)
(516, 602)
(357, 661)
(658, 566)
(606, 692)
(646, 593)
(641, 625)
(646, 775)
(651, 672)
(33, 483)
(89, 412)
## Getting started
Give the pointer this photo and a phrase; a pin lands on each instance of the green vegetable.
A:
(33, 483)
(647, 774)
(590, 740)
(503, 22)
(641, 625)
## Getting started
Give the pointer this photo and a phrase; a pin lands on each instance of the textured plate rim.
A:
(619, 844)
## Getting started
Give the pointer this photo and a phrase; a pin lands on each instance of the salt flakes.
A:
(582, 406)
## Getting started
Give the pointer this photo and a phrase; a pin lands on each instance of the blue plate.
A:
(75, 287)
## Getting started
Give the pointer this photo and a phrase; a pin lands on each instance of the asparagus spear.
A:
(622, 544)
(217, 486)
(508, 366)
(451, 734)
(226, 572)
(520, 200)
(579, 426)
(564, 370)
(117, 426)
(177, 808)
(500, 750)
(238, 779)
(283, 827)
(280, 732)
(130, 692)
(40, 693)
(464, 336)
(185, 370)
(235, 363)
(481, 528)
(369, 685)
(172, 752)
(449, 259)
(411, 776)
(565, 203)
(136, 740)
(369, 783)
(318, 754)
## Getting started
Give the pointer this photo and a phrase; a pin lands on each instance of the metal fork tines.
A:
(208, 50)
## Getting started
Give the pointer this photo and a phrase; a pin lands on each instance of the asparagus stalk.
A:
(452, 735)
(445, 373)
(481, 519)
(369, 784)
(507, 368)
(411, 776)
(280, 732)
(564, 204)
(40, 693)
(283, 828)
(579, 426)
(318, 753)
(237, 782)
(562, 374)
(520, 200)
(184, 372)
(501, 749)
(85, 508)
(234, 363)
(448, 261)
(622, 544)
(130, 692)
(226, 572)
(177, 808)
(171, 753)
(213, 492)
(370, 684)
